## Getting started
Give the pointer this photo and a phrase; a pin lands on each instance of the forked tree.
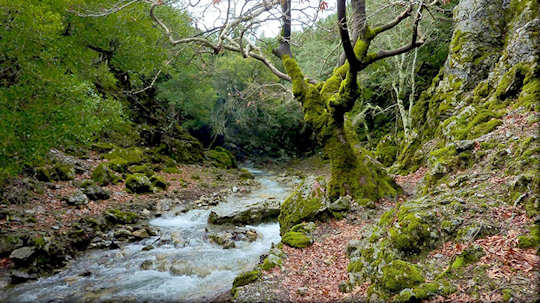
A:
(324, 103)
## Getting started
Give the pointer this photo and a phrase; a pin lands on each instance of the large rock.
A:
(306, 202)
(22, 254)
(95, 192)
(139, 184)
(257, 213)
(77, 198)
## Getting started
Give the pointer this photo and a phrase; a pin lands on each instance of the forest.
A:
(269, 151)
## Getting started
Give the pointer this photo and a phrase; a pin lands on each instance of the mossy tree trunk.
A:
(325, 103)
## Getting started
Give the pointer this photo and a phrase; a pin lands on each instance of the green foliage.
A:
(59, 79)
(253, 112)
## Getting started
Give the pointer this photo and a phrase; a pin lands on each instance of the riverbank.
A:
(180, 261)
(54, 223)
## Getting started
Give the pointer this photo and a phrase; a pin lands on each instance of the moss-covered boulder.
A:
(304, 204)
(296, 239)
(246, 278)
(245, 174)
(56, 172)
(221, 157)
(399, 275)
(139, 184)
(103, 147)
(181, 146)
(159, 182)
(104, 176)
(532, 239)
(145, 169)
(131, 155)
(413, 231)
(273, 259)
(118, 216)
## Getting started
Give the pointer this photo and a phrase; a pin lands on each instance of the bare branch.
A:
(404, 15)
(114, 9)
(416, 41)
(344, 34)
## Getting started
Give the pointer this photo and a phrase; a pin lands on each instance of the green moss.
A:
(172, 170)
(118, 165)
(38, 241)
(221, 157)
(530, 94)
(122, 217)
(245, 174)
(304, 227)
(482, 90)
(44, 174)
(412, 232)
(302, 205)
(354, 173)
(355, 266)
(103, 175)
(103, 147)
(532, 239)
(145, 169)
(296, 239)
(57, 172)
(399, 275)
(458, 39)
(386, 150)
(507, 294)
(138, 183)
(159, 182)
(64, 172)
(270, 262)
(131, 156)
(246, 278)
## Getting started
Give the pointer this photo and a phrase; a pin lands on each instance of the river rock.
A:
(227, 238)
(141, 234)
(147, 264)
(22, 254)
(18, 276)
(122, 234)
(77, 198)
(253, 214)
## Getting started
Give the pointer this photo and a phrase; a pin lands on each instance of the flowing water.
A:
(185, 268)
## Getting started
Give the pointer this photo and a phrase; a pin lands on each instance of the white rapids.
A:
(187, 268)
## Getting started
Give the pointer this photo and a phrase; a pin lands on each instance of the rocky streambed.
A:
(187, 260)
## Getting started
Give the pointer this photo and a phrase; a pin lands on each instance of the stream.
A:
(187, 268)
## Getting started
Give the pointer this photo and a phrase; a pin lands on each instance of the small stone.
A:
(235, 189)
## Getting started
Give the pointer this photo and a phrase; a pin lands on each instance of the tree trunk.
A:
(354, 173)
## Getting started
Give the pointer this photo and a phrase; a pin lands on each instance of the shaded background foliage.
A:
(67, 81)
